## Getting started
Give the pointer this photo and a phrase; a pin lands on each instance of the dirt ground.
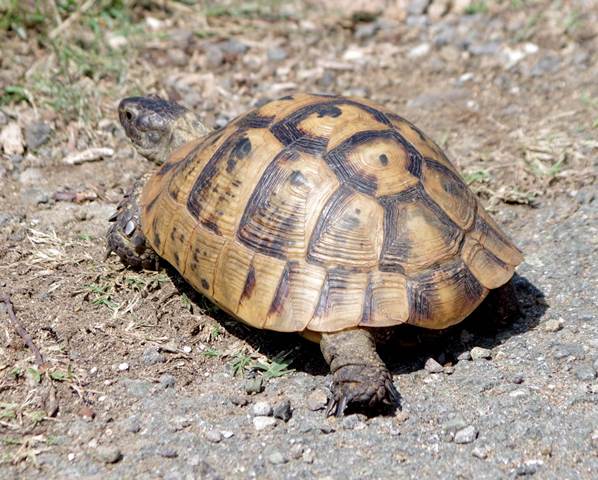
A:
(143, 378)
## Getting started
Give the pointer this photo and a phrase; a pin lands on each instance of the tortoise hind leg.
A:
(359, 376)
(125, 236)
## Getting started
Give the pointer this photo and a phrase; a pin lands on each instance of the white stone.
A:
(261, 423)
(419, 51)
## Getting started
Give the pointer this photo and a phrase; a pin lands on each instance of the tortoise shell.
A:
(320, 213)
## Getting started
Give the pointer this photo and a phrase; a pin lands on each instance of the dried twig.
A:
(89, 155)
(39, 359)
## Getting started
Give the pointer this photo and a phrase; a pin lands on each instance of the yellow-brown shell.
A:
(321, 213)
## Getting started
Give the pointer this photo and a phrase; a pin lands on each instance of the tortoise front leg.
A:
(125, 236)
(359, 376)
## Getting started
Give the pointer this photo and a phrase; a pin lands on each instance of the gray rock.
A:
(136, 388)
(214, 436)
(466, 435)
(480, 452)
(6, 218)
(151, 356)
(108, 454)
(168, 452)
(35, 196)
(418, 7)
(489, 48)
(355, 421)
(261, 409)
(464, 356)
(553, 325)
(317, 400)
(167, 380)
(276, 458)
(366, 30)
(565, 350)
(529, 468)
(132, 425)
(308, 456)
(214, 56)
(36, 134)
(433, 366)
(233, 47)
(296, 451)
(283, 410)
(276, 54)
(585, 372)
(452, 426)
(254, 385)
(479, 353)
(549, 63)
(262, 423)
(444, 34)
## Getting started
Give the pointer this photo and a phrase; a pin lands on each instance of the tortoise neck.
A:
(186, 128)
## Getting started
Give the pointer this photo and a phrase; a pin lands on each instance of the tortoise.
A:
(324, 215)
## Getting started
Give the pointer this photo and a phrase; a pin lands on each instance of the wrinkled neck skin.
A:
(184, 129)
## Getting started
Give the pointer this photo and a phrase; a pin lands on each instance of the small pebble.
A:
(353, 422)
(262, 409)
(419, 51)
(276, 458)
(261, 423)
(151, 356)
(479, 352)
(108, 454)
(239, 400)
(520, 392)
(283, 410)
(325, 427)
(464, 356)
(36, 134)
(168, 452)
(167, 380)
(187, 349)
(480, 452)
(466, 435)
(123, 366)
(309, 456)
(553, 325)
(317, 400)
(585, 372)
(518, 379)
(296, 451)
(449, 369)
(132, 425)
(529, 468)
(227, 433)
(254, 386)
(433, 366)
(214, 436)
(276, 54)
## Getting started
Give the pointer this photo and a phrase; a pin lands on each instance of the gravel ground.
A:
(143, 378)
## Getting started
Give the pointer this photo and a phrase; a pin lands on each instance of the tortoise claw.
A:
(337, 407)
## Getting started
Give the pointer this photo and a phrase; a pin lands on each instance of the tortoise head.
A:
(157, 127)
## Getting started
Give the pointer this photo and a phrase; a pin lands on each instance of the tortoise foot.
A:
(125, 236)
(366, 386)
(359, 376)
